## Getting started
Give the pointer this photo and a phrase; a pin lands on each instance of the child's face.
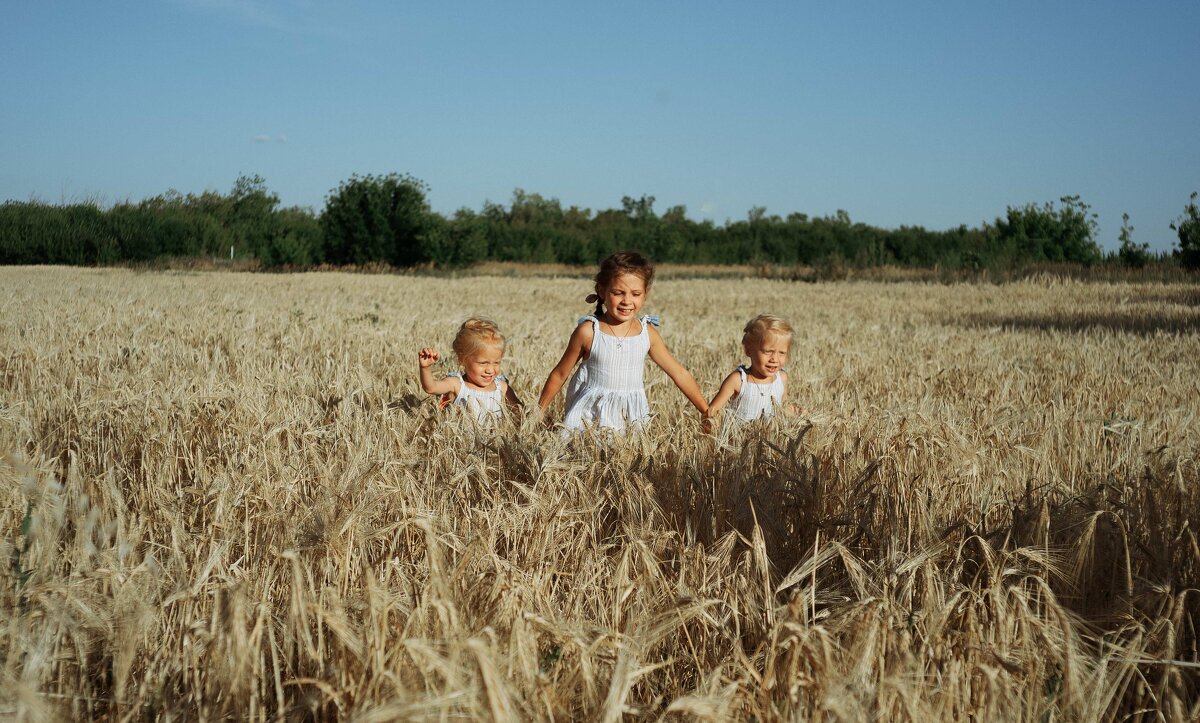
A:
(769, 354)
(623, 298)
(482, 366)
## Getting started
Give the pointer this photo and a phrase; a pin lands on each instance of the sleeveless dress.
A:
(608, 389)
(486, 406)
(757, 401)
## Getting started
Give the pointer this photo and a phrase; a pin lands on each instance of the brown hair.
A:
(763, 324)
(622, 262)
(475, 333)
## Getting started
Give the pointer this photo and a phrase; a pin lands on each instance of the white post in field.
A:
(231, 253)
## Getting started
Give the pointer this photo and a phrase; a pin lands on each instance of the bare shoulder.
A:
(581, 338)
(585, 332)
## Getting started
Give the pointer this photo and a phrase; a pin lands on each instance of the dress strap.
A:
(591, 318)
(648, 321)
(741, 370)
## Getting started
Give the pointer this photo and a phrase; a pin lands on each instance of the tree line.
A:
(387, 219)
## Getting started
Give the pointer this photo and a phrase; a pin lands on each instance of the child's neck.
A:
(764, 376)
(614, 324)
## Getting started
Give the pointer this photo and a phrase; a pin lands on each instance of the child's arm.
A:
(510, 397)
(426, 359)
(730, 387)
(581, 341)
(682, 377)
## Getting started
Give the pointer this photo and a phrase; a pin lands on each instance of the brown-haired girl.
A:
(608, 390)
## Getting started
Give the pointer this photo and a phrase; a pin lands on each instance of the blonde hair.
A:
(474, 334)
(760, 326)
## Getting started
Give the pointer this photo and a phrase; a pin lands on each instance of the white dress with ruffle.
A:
(608, 390)
(757, 401)
(486, 406)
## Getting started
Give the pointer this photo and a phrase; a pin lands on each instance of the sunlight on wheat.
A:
(223, 496)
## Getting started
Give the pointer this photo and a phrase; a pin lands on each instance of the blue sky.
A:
(919, 113)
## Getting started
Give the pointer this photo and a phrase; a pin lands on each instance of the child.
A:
(607, 390)
(480, 387)
(756, 391)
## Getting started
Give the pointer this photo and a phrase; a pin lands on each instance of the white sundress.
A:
(486, 406)
(757, 401)
(608, 389)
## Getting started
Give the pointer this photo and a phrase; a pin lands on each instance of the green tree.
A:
(377, 218)
(1131, 253)
(1187, 227)
(298, 242)
(1045, 233)
(251, 210)
(461, 241)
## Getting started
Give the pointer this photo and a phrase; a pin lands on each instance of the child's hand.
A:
(706, 423)
(427, 357)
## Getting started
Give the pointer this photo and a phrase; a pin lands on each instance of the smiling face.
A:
(623, 297)
(482, 366)
(768, 354)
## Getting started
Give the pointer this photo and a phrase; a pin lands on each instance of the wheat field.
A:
(223, 496)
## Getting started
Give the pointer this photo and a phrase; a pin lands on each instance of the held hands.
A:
(427, 357)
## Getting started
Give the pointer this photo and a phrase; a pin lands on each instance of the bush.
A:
(461, 241)
(376, 218)
(1132, 254)
(1048, 234)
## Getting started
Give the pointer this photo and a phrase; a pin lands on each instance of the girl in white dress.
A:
(480, 387)
(608, 391)
(756, 391)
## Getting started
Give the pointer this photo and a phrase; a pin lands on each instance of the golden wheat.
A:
(223, 496)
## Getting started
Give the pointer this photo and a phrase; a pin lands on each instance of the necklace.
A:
(620, 339)
(762, 389)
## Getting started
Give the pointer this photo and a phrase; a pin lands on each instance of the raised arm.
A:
(682, 377)
(578, 346)
(426, 359)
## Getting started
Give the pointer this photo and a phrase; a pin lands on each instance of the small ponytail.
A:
(595, 299)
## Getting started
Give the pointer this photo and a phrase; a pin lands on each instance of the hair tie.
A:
(592, 298)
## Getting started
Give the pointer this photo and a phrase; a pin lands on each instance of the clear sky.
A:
(902, 113)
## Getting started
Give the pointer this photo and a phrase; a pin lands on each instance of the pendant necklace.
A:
(762, 389)
(620, 339)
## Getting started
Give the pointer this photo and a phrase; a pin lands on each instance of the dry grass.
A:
(221, 496)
